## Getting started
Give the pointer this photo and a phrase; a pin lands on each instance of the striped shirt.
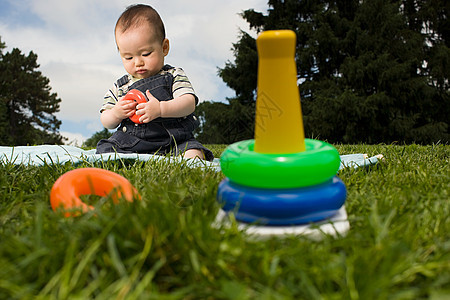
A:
(181, 86)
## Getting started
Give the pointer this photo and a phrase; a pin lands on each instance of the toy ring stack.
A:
(281, 189)
(280, 178)
(139, 97)
(66, 191)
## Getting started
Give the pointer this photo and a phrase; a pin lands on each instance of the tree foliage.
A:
(222, 123)
(27, 105)
(241, 75)
(370, 71)
(96, 137)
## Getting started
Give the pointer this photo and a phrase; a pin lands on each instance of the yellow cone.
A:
(279, 123)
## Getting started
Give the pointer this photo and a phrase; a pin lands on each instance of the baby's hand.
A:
(124, 109)
(149, 110)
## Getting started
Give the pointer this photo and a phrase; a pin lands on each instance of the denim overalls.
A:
(161, 135)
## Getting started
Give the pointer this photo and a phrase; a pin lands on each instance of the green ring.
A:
(319, 163)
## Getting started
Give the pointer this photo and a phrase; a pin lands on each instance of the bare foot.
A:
(380, 157)
(193, 153)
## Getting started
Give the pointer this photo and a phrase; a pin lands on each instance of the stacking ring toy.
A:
(282, 207)
(280, 178)
(242, 165)
(139, 97)
(66, 191)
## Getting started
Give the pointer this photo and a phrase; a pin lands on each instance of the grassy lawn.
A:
(164, 246)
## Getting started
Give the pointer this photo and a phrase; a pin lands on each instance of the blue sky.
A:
(74, 42)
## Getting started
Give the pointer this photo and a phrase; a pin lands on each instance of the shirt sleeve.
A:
(115, 93)
(182, 85)
(110, 99)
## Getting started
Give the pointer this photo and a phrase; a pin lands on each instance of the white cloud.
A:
(81, 87)
(75, 45)
(73, 139)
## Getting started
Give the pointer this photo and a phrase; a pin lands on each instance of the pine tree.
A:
(370, 71)
(96, 137)
(241, 75)
(234, 121)
(222, 123)
(27, 105)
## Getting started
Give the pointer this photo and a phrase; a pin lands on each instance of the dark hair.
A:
(136, 14)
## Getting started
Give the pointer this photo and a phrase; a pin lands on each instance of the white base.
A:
(337, 225)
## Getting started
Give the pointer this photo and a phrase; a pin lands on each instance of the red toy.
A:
(139, 97)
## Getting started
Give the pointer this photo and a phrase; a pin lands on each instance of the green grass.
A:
(164, 246)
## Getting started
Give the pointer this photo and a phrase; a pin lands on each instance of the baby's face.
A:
(141, 51)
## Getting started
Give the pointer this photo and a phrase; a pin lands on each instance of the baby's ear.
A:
(166, 47)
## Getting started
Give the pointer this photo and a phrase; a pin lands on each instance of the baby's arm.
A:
(175, 108)
(112, 117)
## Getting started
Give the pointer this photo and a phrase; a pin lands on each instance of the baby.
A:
(167, 118)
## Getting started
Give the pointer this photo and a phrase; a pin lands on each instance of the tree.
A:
(241, 75)
(226, 123)
(370, 71)
(27, 106)
(96, 137)
(222, 123)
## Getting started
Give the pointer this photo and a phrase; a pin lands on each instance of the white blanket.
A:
(55, 154)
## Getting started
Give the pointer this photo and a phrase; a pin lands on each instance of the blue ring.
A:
(282, 206)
